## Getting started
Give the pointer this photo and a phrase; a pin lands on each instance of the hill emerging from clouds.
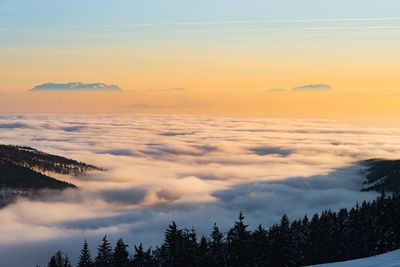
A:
(75, 86)
(24, 171)
(382, 175)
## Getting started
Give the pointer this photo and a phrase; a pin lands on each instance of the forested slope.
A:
(43, 162)
(382, 175)
(24, 171)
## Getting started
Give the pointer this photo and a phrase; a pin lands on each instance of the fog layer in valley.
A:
(190, 169)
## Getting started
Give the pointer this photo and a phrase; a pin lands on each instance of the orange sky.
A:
(226, 62)
(369, 108)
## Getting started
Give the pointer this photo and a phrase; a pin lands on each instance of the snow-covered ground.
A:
(389, 259)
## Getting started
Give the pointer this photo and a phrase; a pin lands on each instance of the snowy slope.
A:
(390, 259)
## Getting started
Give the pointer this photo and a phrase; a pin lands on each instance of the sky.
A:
(195, 170)
(224, 55)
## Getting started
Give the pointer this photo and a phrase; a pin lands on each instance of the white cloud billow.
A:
(192, 169)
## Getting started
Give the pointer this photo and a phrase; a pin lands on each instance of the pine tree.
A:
(327, 224)
(172, 251)
(395, 218)
(282, 244)
(121, 255)
(203, 252)
(355, 233)
(260, 246)
(53, 262)
(390, 215)
(66, 262)
(189, 247)
(59, 260)
(274, 252)
(104, 254)
(342, 235)
(85, 260)
(238, 242)
(217, 247)
(142, 258)
(316, 242)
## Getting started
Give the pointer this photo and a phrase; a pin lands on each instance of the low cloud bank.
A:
(304, 88)
(195, 170)
(276, 90)
(175, 89)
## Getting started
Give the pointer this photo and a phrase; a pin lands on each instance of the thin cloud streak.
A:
(232, 22)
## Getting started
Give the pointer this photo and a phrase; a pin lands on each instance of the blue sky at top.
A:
(43, 13)
(29, 23)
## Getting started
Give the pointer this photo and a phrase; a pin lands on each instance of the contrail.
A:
(249, 22)
(231, 22)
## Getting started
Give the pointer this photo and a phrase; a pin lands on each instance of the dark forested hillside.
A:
(18, 181)
(370, 229)
(24, 172)
(382, 175)
(43, 162)
(23, 178)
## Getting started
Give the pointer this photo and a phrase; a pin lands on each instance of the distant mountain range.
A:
(75, 86)
(382, 175)
(24, 171)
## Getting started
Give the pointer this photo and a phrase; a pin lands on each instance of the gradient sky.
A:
(226, 54)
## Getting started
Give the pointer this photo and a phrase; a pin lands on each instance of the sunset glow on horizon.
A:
(225, 56)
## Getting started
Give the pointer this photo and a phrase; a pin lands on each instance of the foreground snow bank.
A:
(389, 259)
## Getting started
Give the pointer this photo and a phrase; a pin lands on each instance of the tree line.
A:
(13, 176)
(42, 162)
(365, 230)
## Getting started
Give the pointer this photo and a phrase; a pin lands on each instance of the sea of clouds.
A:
(191, 169)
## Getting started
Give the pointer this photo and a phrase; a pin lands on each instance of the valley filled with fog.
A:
(195, 170)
